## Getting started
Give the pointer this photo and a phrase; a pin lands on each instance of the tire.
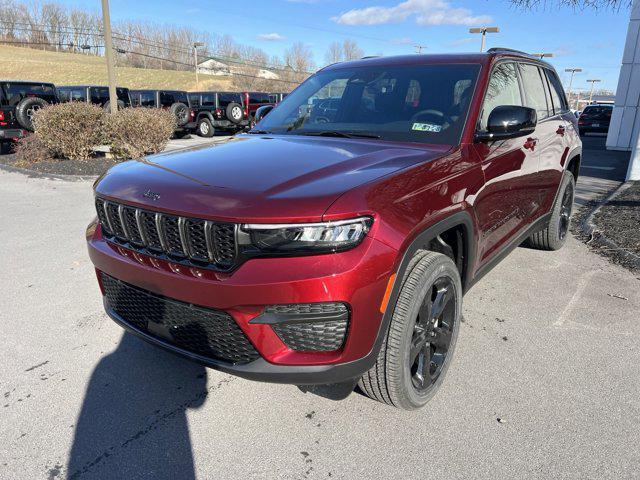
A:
(432, 278)
(25, 110)
(107, 106)
(5, 148)
(234, 112)
(554, 235)
(181, 112)
(205, 128)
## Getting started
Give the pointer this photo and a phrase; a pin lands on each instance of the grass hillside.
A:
(20, 63)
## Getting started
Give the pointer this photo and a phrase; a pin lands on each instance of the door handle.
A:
(531, 143)
(561, 130)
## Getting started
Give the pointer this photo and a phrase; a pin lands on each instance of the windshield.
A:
(424, 103)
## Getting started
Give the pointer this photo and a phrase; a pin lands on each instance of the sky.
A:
(591, 40)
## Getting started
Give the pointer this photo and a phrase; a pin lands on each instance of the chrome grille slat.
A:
(191, 241)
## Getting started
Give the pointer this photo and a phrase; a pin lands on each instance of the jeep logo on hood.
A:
(151, 195)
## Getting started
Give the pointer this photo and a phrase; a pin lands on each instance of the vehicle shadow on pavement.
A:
(134, 391)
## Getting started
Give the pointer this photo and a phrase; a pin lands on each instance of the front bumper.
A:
(357, 277)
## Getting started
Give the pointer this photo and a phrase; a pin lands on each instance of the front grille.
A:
(184, 240)
(310, 327)
(203, 331)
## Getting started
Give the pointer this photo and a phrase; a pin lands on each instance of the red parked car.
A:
(335, 248)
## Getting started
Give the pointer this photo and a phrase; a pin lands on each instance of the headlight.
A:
(306, 237)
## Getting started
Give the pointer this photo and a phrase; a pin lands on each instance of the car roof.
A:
(88, 86)
(445, 58)
(27, 81)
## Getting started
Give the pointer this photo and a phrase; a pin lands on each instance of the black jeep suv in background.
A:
(175, 101)
(218, 110)
(18, 102)
(97, 95)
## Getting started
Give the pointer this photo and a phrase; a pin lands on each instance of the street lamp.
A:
(195, 60)
(484, 31)
(419, 48)
(572, 71)
(593, 81)
(542, 55)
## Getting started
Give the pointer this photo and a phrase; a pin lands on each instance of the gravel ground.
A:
(619, 221)
(93, 167)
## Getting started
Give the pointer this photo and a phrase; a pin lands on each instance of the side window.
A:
(135, 99)
(147, 99)
(209, 100)
(99, 95)
(557, 93)
(503, 89)
(535, 90)
(63, 95)
(194, 99)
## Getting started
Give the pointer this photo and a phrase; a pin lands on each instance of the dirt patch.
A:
(93, 167)
(615, 232)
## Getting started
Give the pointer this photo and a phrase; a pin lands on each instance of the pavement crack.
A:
(37, 366)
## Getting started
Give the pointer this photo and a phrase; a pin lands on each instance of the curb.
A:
(596, 237)
(48, 176)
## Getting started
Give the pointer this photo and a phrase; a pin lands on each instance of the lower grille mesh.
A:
(207, 332)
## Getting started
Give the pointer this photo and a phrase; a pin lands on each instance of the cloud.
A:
(401, 41)
(425, 12)
(271, 37)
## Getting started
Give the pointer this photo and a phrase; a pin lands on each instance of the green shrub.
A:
(70, 130)
(135, 132)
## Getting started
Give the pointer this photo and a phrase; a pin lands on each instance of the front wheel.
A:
(419, 344)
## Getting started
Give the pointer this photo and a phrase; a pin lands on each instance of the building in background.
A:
(625, 122)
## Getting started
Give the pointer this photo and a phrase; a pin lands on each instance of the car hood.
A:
(258, 178)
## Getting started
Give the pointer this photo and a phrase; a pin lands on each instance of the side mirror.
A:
(508, 121)
(261, 112)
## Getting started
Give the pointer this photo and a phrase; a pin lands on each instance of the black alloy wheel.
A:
(432, 334)
(565, 211)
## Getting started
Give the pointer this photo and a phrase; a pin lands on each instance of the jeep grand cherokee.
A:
(333, 246)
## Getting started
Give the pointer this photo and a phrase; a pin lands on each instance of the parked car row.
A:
(196, 112)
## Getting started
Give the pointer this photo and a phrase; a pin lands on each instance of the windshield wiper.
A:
(259, 132)
(335, 133)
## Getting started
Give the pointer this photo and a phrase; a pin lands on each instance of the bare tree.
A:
(334, 53)
(351, 50)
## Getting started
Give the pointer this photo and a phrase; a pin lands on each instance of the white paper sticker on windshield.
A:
(426, 127)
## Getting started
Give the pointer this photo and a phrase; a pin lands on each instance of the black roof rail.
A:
(503, 49)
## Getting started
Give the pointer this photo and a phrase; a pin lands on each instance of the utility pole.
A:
(419, 48)
(195, 60)
(108, 53)
(572, 71)
(593, 82)
(484, 31)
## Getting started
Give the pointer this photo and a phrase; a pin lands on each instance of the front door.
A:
(510, 195)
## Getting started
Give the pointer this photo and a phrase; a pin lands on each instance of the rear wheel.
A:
(419, 344)
(205, 128)
(554, 235)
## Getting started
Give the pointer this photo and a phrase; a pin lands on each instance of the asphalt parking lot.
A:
(549, 346)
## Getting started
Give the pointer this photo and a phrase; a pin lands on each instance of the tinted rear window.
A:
(17, 91)
(225, 99)
(257, 97)
(597, 110)
(209, 99)
(194, 99)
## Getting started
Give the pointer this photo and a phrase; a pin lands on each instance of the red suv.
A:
(334, 247)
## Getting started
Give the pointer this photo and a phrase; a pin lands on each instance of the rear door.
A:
(549, 144)
(509, 197)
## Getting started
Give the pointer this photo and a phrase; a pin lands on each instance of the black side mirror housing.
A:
(508, 121)
(261, 112)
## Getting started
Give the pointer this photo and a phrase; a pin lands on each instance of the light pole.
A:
(593, 82)
(542, 55)
(195, 60)
(484, 31)
(419, 48)
(573, 71)
(108, 53)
